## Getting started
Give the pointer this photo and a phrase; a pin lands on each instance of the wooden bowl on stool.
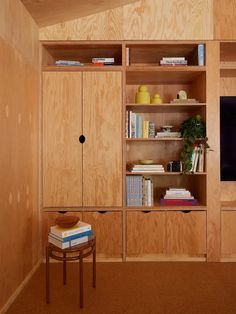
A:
(66, 221)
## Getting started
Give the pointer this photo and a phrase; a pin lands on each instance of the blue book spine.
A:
(74, 236)
(201, 54)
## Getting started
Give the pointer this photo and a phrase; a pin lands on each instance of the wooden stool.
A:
(79, 252)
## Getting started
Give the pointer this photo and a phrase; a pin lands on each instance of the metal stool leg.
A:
(47, 277)
(81, 282)
(94, 267)
(64, 268)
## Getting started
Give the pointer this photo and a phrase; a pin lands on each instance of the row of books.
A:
(95, 61)
(137, 127)
(198, 158)
(68, 237)
(139, 191)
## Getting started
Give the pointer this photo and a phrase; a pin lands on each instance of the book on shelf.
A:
(65, 232)
(127, 56)
(139, 191)
(168, 134)
(68, 63)
(67, 244)
(198, 159)
(136, 127)
(201, 54)
(172, 61)
(189, 100)
(105, 61)
(178, 202)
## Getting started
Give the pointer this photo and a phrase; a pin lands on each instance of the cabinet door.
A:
(228, 234)
(62, 151)
(186, 234)
(102, 150)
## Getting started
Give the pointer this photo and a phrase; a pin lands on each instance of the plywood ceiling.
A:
(48, 12)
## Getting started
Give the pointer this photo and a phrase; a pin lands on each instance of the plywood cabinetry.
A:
(107, 226)
(166, 235)
(62, 151)
(228, 235)
(76, 174)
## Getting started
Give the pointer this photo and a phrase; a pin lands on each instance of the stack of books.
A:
(68, 237)
(103, 61)
(178, 197)
(68, 63)
(139, 191)
(169, 61)
(148, 168)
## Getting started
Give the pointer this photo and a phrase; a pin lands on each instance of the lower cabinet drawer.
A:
(228, 234)
(108, 229)
(186, 233)
(165, 235)
(145, 234)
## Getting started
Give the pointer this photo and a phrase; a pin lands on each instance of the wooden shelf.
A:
(228, 205)
(166, 173)
(153, 139)
(161, 75)
(82, 68)
(165, 107)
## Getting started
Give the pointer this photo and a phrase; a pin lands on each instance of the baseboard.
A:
(20, 288)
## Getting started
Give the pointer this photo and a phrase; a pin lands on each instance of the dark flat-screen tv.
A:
(228, 138)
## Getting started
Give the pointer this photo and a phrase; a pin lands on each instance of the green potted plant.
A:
(193, 131)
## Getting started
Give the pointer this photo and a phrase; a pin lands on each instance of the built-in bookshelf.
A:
(143, 68)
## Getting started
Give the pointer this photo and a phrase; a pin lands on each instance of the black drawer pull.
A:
(146, 211)
(185, 211)
(102, 211)
(82, 139)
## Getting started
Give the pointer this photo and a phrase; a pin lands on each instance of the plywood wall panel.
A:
(225, 19)
(19, 29)
(101, 26)
(151, 19)
(19, 101)
(146, 19)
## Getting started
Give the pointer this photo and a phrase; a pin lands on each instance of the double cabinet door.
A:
(82, 139)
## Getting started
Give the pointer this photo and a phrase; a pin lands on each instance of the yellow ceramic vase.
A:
(156, 99)
(142, 96)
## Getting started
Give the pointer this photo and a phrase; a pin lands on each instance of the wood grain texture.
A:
(62, 127)
(186, 233)
(49, 12)
(18, 28)
(102, 151)
(108, 229)
(228, 234)
(102, 26)
(225, 19)
(145, 234)
(146, 19)
(150, 19)
(19, 103)
(213, 158)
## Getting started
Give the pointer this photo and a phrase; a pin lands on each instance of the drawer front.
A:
(108, 229)
(145, 234)
(228, 234)
(186, 233)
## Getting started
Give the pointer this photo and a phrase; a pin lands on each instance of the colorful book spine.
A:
(145, 129)
(66, 232)
(178, 202)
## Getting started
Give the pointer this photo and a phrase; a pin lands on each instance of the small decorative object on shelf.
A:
(183, 97)
(166, 128)
(175, 166)
(142, 96)
(193, 131)
(156, 100)
(182, 94)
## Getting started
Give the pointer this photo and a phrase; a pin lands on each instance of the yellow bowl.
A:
(146, 161)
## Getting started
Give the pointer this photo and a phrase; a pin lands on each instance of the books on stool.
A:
(67, 237)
